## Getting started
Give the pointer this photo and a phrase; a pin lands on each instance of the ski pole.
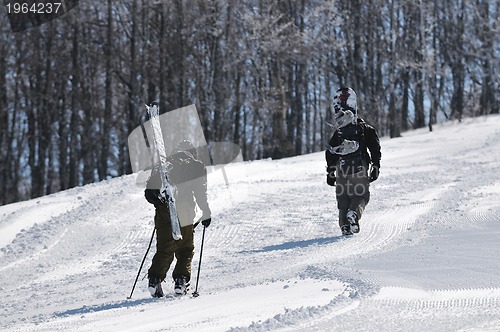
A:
(140, 268)
(195, 293)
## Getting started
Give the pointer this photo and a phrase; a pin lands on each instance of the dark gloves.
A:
(330, 176)
(206, 222)
(330, 180)
(374, 173)
(207, 216)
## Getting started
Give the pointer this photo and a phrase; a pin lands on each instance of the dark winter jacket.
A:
(190, 179)
(369, 143)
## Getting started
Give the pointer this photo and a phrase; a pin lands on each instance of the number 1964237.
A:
(36, 8)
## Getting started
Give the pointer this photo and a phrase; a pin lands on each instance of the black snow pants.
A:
(353, 193)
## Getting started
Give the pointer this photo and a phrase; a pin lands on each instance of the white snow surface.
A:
(427, 257)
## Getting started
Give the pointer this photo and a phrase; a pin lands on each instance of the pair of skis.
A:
(166, 191)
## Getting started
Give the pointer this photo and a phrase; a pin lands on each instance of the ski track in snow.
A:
(426, 257)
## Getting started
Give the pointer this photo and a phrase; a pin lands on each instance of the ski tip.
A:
(152, 104)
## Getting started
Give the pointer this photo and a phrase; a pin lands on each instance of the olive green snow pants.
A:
(167, 248)
(353, 193)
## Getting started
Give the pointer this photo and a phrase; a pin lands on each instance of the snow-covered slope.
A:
(426, 259)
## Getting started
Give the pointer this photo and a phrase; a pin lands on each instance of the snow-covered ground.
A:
(427, 257)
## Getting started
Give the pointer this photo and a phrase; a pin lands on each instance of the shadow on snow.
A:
(297, 244)
(110, 306)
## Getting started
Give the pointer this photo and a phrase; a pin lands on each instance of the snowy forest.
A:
(261, 73)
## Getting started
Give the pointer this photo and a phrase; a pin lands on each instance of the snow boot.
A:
(154, 287)
(181, 286)
(346, 230)
(352, 217)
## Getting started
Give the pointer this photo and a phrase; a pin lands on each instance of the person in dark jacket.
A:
(353, 160)
(189, 176)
